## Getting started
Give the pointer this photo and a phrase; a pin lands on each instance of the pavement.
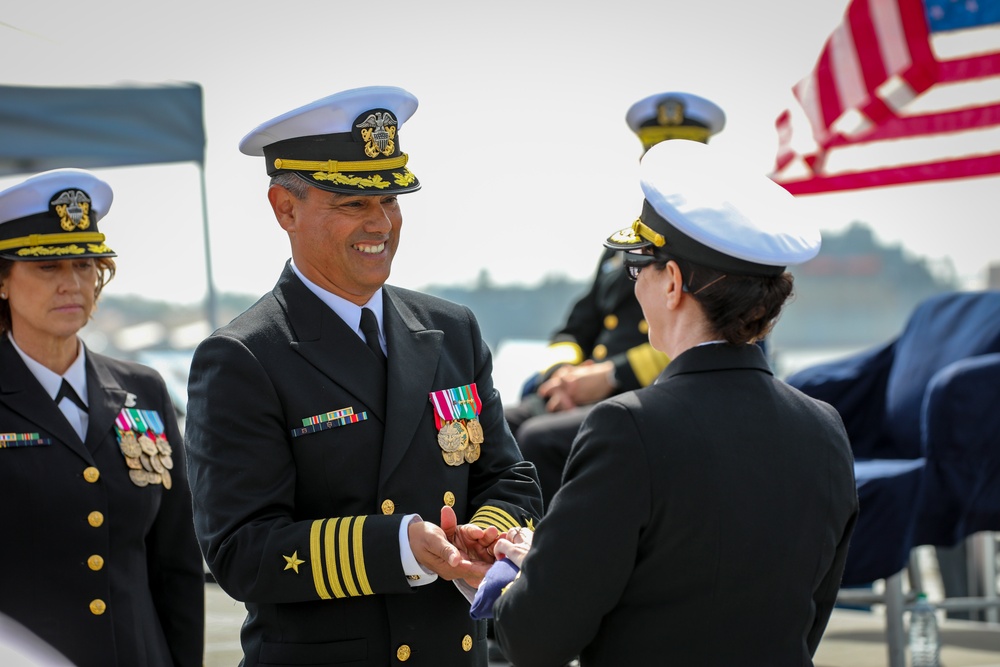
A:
(852, 639)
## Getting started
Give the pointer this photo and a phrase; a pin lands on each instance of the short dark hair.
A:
(105, 272)
(740, 308)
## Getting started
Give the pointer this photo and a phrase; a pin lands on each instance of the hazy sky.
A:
(520, 140)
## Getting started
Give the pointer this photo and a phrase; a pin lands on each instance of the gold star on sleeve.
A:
(292, 562)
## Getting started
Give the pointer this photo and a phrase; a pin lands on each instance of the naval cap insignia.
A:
(378, 130)
(73, 209)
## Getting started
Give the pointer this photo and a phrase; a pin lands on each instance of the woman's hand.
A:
(514, 545)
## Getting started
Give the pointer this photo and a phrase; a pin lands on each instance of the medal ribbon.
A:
(475, 396)
(22, 440)
(348, 416)
(136, 418)
(7, 437)
(329, 416)
(444, 407)
(155, 422)
(123, 422)
(456, 403)
(462, 398)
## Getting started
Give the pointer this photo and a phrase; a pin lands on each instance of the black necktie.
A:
(66, 391)
(369, 327)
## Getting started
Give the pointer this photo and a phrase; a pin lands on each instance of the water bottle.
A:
(925, 643)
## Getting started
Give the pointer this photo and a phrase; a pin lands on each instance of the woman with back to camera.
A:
(100, 558)
(705, 519)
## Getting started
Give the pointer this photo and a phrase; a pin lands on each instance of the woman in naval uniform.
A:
(704, 519)
(100, 558)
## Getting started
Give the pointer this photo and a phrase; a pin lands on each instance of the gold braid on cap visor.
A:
(654, 134)
(646, 232)
(42, 239)
(336, 166)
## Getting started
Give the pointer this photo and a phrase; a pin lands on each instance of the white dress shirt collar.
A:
(75, 375)
(347, 311)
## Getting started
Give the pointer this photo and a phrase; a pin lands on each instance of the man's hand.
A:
(435, 552)
(474, 542)
(583, 384)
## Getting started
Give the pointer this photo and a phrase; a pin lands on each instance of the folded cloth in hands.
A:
(497, 578)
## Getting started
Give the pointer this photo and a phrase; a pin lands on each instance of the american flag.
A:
(892, 76)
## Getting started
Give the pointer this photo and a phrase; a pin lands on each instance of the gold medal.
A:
(138, 477)
(166, 479)
(167, 461)
(453, 458)
(452, 437)
(147, 444)
(133, 463)
(472, 453)
(163, 446)
(144, 460)
(154, 460)
(154, 477)
(129, 445)
(475, 431)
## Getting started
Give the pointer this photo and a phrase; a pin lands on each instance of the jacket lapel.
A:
(326, 342)
(414, 351)
(106, 396)
(21, 393)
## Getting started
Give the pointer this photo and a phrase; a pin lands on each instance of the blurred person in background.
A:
(101, 560)
(602, 348)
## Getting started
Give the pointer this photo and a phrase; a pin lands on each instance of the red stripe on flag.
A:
(968, 167)
(966, 69)
(942, 122)
(922, 74)
(866, 44)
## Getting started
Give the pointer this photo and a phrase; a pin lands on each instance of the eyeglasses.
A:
(635, 262)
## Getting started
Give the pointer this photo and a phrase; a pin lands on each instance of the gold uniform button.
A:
(95, 519)
(97, 607)
(600, 352)
(449, 499)
(388, 507)
(643, 327)
(95, 562)
(467, 643)
(91, 474)
(611, 322)
(403, 653)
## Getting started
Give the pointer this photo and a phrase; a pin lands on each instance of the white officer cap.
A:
(347, 142)
(54, 215)
(674, 115)
(702, 206)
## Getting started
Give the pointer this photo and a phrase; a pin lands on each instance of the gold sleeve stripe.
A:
(563, 352)
(330, 542)
(488, 515)
(343, 546)
(315, 559)
(646, 363)
(359, 557)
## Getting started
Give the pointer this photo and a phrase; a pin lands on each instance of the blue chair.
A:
(962, 408)
(923, 415)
